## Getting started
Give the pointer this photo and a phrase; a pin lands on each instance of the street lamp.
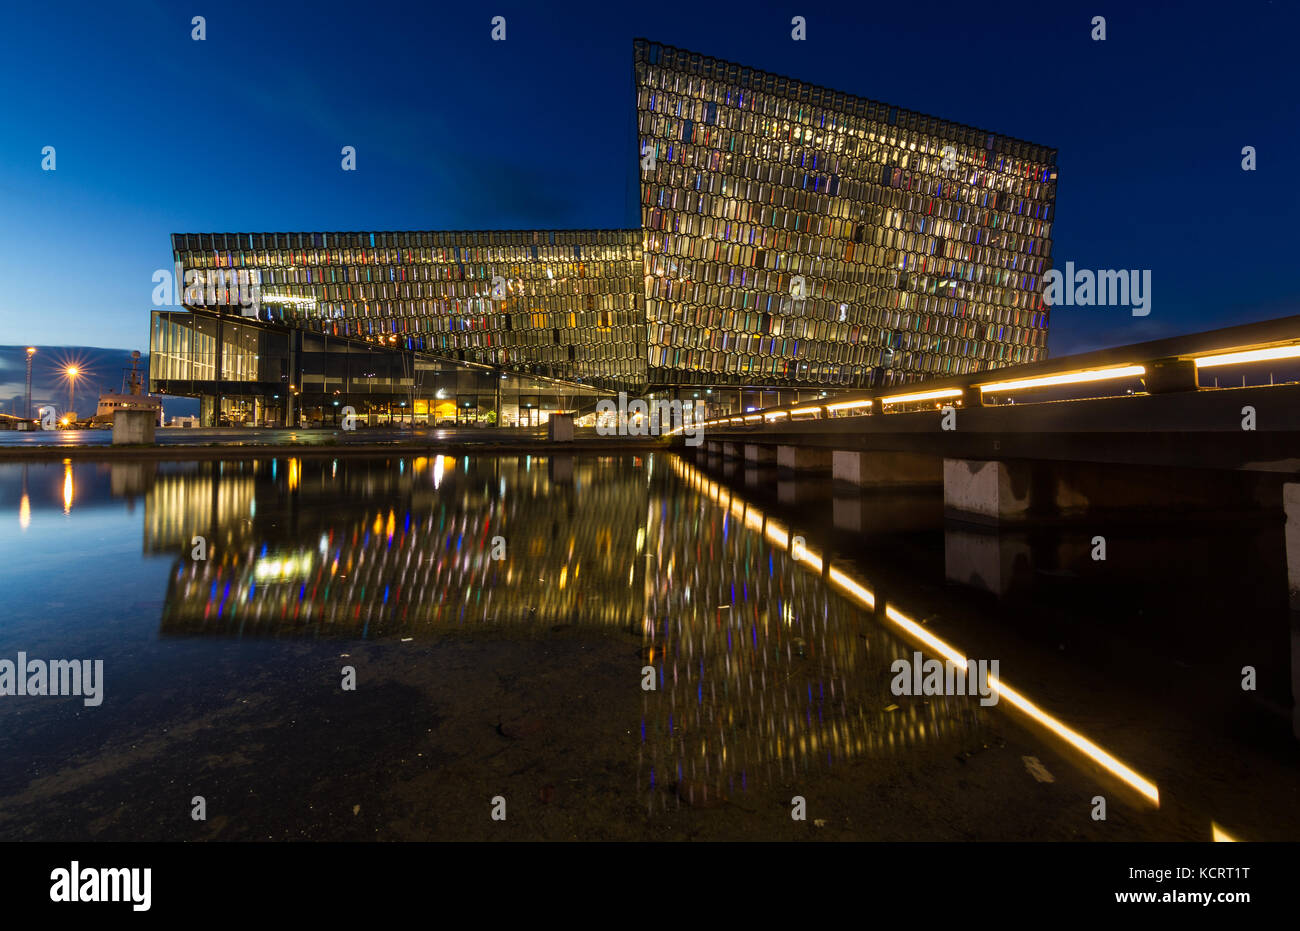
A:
(31, 351)
(72, 372)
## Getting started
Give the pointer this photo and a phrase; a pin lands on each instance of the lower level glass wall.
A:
(251, 374)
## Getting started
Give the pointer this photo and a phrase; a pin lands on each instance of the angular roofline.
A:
(634, 230)
(566, 229)
(640, 45)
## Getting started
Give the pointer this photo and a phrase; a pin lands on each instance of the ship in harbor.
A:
(131, 397)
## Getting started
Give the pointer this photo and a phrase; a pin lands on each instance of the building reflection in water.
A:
(768, 662)
(843, 580)
(373, 549)
(764, 670)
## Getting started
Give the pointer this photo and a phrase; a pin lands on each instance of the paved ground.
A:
(435, 731)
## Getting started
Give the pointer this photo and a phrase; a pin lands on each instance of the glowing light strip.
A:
(805, 410)
(846, 405)
(923, 396)
(775, 416)
(1067, 378)
(865, 597)
(752, 417)
(1249, 355)
(1076, 740)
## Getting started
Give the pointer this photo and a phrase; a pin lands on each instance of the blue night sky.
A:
(156, 133)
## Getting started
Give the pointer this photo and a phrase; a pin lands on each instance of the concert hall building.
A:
(794, 242)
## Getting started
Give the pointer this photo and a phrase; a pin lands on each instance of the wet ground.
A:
(518, 681)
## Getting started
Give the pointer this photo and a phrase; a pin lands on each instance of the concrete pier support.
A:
(803, 458)
(559, 428)
(983, 489)
(732, 450)
(134, 426)
(759, 454)
(886, 467)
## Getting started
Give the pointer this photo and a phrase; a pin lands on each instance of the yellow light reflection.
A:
(842, 581)
(1076, 740)
(864, 595)
(1220, 835)
(283, 568)
(25, 512)
(67, 486)
(778, 536)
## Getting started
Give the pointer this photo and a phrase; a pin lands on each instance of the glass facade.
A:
(921, 243)
(792, 237)
(558, 304)
(252, 373)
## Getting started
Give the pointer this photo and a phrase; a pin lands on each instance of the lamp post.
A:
(31, 351)
(72, 372)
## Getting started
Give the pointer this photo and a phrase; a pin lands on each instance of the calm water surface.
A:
(523, 678)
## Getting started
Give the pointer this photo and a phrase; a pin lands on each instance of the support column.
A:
(559, 428)
(218, 372)
(983, 490)
(133, 426)
(496, 376)
(803, 458)
(759, 454)
(886, 467)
